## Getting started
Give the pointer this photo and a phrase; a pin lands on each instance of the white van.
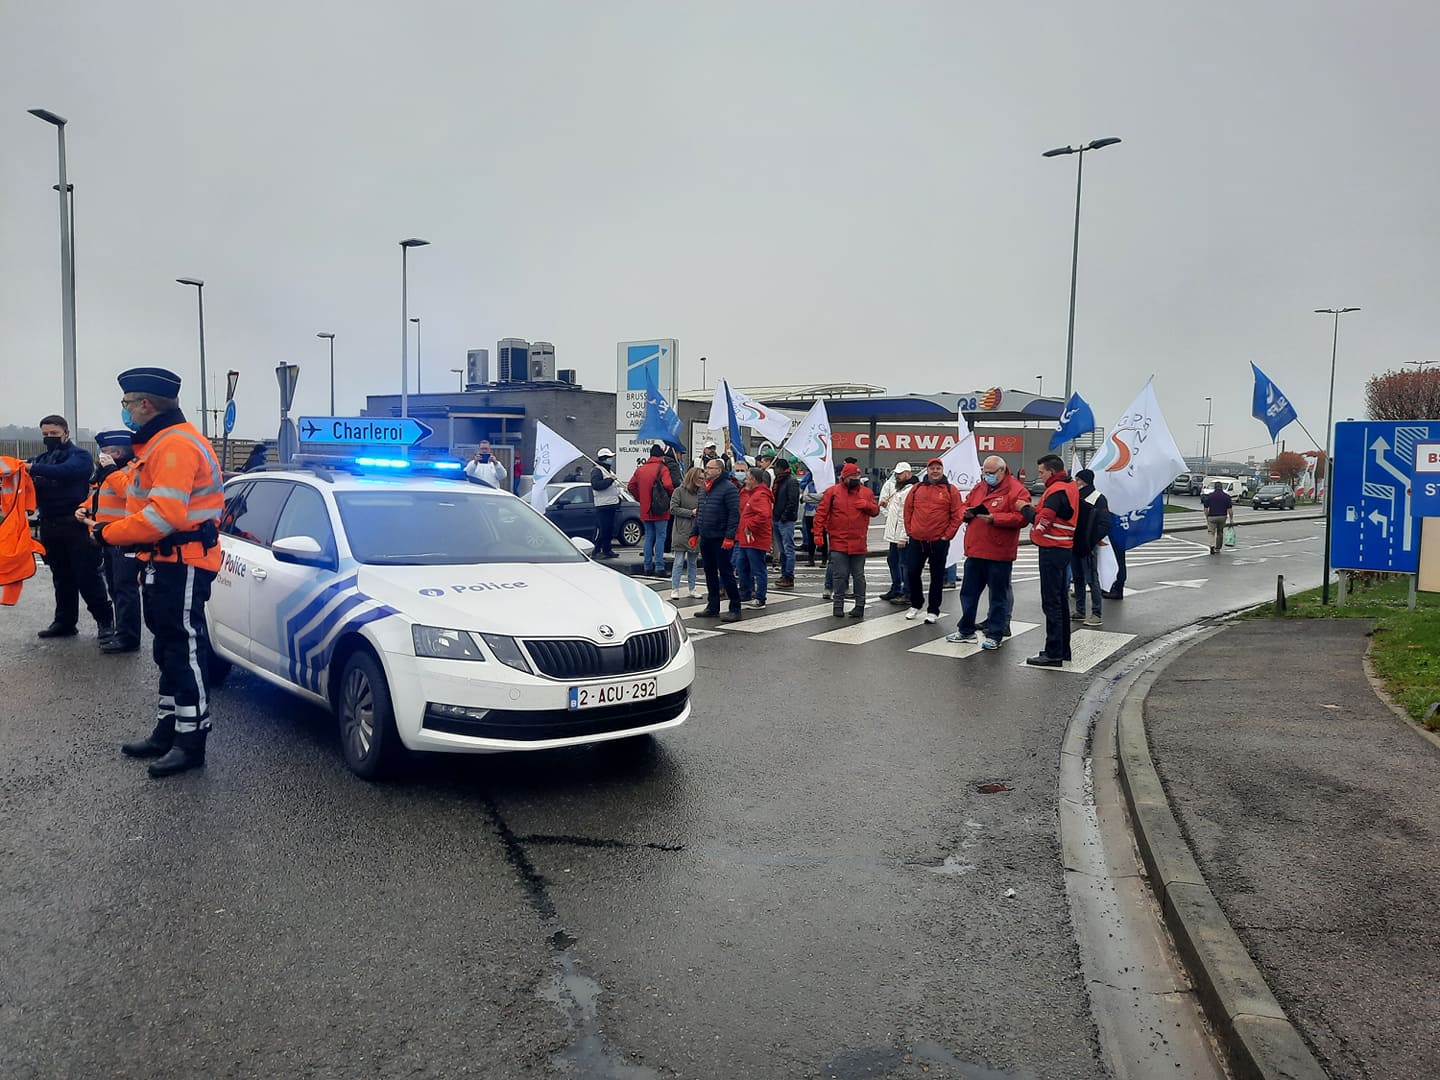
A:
(1234, 486)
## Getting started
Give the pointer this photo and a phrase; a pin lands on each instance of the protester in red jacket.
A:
(932, 518)
(844, 517)
(641, 485)
(993, 520)
(757, 520)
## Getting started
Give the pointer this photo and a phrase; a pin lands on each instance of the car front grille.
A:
(576, 658)
(522, 725)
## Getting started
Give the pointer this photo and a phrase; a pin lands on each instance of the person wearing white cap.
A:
(607, 498)
(892, 505)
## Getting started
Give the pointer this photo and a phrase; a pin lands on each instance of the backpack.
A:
(659, 497)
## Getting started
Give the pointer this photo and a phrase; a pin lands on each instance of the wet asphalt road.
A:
(802, 881)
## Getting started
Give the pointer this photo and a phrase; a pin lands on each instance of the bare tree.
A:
(1404, 395)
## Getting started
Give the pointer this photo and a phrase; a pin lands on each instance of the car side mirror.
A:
(585, 547)
(301, 551)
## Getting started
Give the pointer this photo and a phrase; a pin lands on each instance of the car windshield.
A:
(1273, 489)
(390, 527)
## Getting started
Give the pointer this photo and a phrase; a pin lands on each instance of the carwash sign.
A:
(363, 430)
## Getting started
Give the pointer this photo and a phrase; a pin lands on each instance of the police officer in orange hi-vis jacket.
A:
(122, 569)
(172, 510)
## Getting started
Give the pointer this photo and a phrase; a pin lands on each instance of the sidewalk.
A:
(1313, 812)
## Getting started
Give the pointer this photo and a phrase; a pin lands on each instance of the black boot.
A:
(156, 743)
(56, 629)
(187, 753)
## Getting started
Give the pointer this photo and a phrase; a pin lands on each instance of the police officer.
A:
(121, 567)
(62, 475)
(172, 505)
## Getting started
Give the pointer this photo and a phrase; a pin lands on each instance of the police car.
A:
(433, 614)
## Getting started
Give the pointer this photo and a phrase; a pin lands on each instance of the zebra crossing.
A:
(1088, 646)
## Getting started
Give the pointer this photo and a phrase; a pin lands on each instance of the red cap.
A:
(850, 469)
(935, 461)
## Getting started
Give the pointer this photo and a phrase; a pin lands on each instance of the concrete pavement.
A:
(1313, 815)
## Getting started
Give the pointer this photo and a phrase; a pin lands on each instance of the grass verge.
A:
(1405, 647)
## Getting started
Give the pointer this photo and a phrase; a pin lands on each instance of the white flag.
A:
(552, 453)
(771, 423)
(813, 445)
(962, 468)
(1138, 462)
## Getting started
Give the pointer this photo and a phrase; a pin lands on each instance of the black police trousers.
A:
(74, 562)
(175, 595)
(122, 574)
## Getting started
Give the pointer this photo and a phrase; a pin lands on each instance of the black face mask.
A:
(852, 483)
(53, 442)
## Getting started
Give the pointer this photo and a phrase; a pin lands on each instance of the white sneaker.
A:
(677, 594)
(695, 594)
(914, 613)
(931, 618)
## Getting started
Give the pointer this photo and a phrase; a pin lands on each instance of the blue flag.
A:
(737, 442)
(1139, 526)
(661, 424)
(1270, 406)
(1077, 419)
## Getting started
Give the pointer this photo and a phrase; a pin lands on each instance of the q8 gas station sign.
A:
(1426, 485)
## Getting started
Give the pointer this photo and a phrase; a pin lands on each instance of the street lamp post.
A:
(461, 372)
(67, 274)
(419, 363)
(200, 297)
(405, 246)
(1209, 416)
(1329, 431)
(702, 373)
(331, 339)
(1040, 382)
(1079, 151)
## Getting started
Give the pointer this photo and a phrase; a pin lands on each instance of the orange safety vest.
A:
(107, 498)
(1060, 533)
(18, 547)
(175, 486)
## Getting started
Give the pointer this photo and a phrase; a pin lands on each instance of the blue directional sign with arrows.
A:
(363, 430)
(1372, 509)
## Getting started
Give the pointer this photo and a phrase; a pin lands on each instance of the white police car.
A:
(434, 614)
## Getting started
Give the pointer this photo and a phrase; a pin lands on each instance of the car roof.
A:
(344, 481)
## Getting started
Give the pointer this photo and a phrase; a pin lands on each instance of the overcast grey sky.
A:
(799, 191)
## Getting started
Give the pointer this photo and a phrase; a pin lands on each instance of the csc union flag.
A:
(1137, 463)
(813, 444)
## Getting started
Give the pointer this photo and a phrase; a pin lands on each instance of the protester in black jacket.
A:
(716, 520)
(62, 483)
(787, 512)
(1084, 563)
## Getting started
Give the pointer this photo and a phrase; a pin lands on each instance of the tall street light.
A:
(1079, 151)
(331, 339)
(1209, 416)
(461, 372)
(1329, 464)
(419, 363)
(1040, 382)
(405, 246)
(200, 297)
(702, 373)
(67, 274)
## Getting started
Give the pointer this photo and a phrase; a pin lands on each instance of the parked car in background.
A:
(1273, 497)
(1231, 485)
(1188, 484)
(572, 508)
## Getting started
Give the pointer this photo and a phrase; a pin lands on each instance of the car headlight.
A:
(678, 636)
(507, 651)
(443, 644)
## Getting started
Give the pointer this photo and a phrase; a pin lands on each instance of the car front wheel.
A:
(631, 533)
(367, 721)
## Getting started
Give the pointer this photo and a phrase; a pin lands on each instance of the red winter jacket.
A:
(844, 515)
(996, 535)
(932, 511)
(643, 480)
(757, 516)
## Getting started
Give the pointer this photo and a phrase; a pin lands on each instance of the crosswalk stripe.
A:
(1088, 648)
(941, 647)
(780, 620)
(871, 629)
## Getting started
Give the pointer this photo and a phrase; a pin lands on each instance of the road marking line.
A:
(1088, 648)
(941, 647)
(780, 620)
(872, 629)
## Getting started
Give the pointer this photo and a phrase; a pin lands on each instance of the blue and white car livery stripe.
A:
(311, 621)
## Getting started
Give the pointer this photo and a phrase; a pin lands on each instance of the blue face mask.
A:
(992, 478)
(128, 420)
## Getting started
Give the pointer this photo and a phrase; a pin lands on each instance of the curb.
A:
(1258, 1039)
